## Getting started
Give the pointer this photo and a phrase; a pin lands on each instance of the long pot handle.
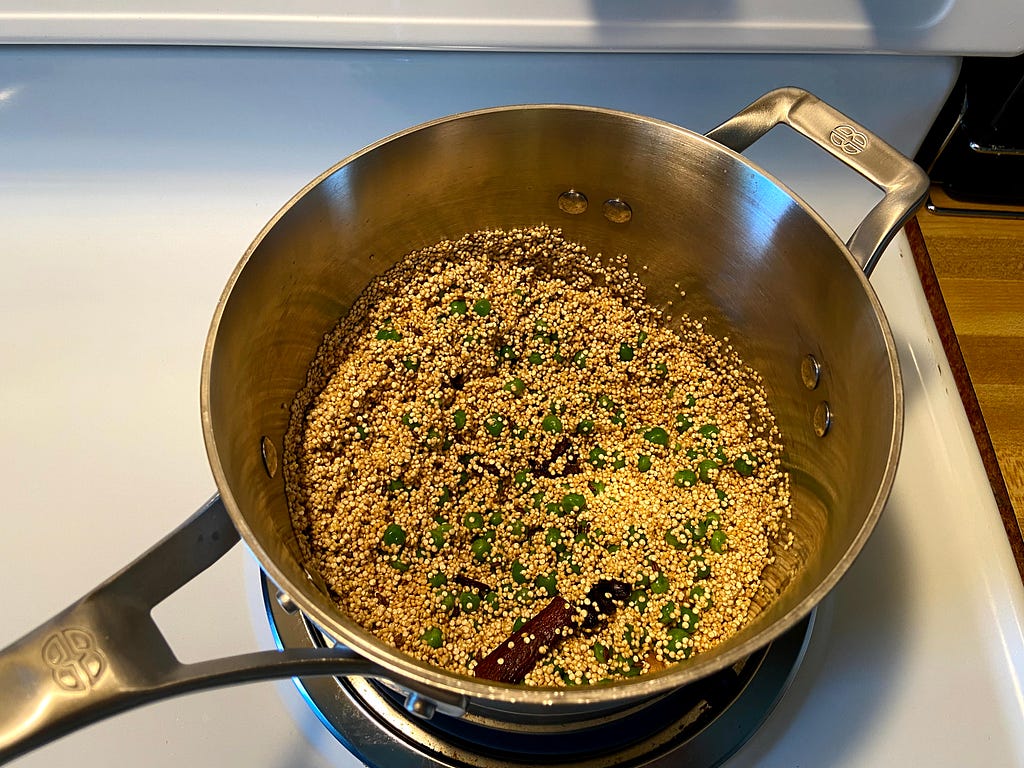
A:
(104, 654)
(905, 184)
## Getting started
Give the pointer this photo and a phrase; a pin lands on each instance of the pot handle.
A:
(904, 183)
(104, 654)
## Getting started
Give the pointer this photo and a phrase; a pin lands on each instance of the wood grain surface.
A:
(979, 265)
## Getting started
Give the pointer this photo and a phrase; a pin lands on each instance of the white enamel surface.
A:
(130, 183)
(980, 27)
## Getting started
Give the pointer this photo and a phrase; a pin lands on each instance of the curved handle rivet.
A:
(617, 211)
(822, 419)
(268, 452)
(287, 603)
(572, 202)
(420, 706)
(810, 371)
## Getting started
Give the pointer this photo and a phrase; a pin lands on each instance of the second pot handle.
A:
(904, 183)
(104, 654)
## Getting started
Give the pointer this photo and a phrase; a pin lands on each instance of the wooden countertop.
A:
(977, 282)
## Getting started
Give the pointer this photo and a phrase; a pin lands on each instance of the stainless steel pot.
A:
(762, 266)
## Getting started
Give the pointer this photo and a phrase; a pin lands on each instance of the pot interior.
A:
(762, 268)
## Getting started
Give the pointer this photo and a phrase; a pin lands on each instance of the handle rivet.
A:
(572, 201)
(617, 211)
(269, 453)
(420, 706)
(810, 371)
(822, 419)
(288, 605)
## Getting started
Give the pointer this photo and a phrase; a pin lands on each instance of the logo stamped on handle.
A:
(75, 661)
(848, 139)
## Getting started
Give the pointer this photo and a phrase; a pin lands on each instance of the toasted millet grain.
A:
(513, 398)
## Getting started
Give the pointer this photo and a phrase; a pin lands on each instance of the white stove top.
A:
(131, 181)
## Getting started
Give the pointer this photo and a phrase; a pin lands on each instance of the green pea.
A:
(635, 537)
(553, 537)
(518, 624)
(573, 503)
(709, 431)
(638, 599)
(433, 637)
(444, 498)
(518, 529)
(396, 485)
(458, 307)
(718, 541)
(668, 613)
(459, 417)
(535, 358)
(480, 548)
(437, 579)
(713, 519)
(605, 402)
(523, 480)
(515, 386)
(585, 427)
(399, 565)
(411, 363)
(388, 334)
(705, 468)
(522, 595)
(473, 520)
(703, 570)
(495, 518)
(580, 359)
(643, 462)
(656, 435)
(687, 620)
(469, 601)
(641, 338)
(677, 644)
(684, 478)
(410, 421)
(554, 508)
(744, 465)
(482, 307)
(597, 487)
(659, 585)
(673, 541)
(551, 424)
(723, 498)
(699, 594)
(506, 353)
(597, 456)
(437, 535)
(448, 601)
(682, 423)
(625, 353)
(518, 572)
(494, 424)
(548, 583)
(661, 369)
(491, 601)
(393, 535)
(618, 418)
(696, 530)
(600, 653)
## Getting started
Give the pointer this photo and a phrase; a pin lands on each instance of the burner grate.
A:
(701, 724)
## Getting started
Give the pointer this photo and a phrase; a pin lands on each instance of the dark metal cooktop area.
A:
(699, 725)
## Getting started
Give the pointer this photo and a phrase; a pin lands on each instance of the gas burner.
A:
(701, 724)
